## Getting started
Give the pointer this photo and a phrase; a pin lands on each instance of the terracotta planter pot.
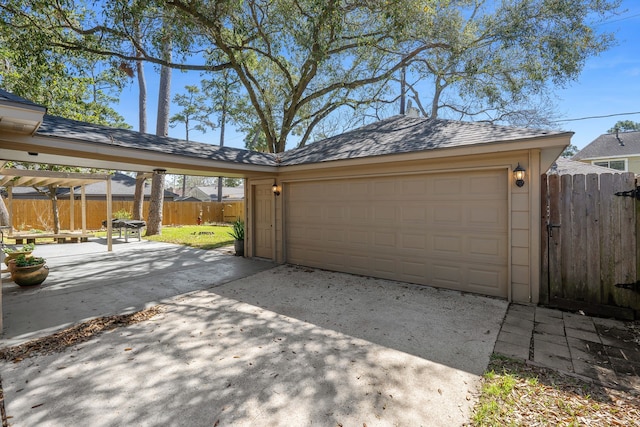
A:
(32, 275)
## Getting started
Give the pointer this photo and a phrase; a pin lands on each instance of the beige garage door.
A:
(447, 230)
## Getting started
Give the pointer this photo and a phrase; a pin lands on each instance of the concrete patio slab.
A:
(86, 281)
(286, 346)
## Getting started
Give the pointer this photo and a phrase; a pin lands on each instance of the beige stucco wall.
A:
(523, 204)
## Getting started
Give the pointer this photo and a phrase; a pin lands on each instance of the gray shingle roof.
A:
(395, 135)
(608, 145)
(564, 166)
(402, 134)
(64, 128)
(121, 186)
(9, 98)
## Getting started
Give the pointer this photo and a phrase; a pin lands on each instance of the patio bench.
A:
(58, 237)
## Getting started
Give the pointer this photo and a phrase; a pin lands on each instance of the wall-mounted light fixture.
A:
(518, 173)
(276, 189)
(32, 153)
(160, 171)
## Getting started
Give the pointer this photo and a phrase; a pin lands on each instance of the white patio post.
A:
(83, 207)
(109, 214)
(72, 212)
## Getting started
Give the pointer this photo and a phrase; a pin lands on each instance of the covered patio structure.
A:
(10, 178)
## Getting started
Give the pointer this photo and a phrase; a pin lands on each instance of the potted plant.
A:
(28, 271)
(13, 253)
(237, 232)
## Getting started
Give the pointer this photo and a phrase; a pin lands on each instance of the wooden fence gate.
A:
(589, 244)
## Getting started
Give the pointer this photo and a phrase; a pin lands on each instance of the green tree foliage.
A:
(299, 61)
(76, 86)
(499, 60)
(624, 126)
(569, 152)
(195, 111)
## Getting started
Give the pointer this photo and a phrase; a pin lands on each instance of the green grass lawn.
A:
(197, 236)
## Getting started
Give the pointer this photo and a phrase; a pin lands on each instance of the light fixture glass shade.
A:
(519, 173)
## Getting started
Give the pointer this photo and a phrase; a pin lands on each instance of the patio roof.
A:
(41, 178)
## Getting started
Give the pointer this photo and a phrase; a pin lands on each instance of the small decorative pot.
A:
(31, 275)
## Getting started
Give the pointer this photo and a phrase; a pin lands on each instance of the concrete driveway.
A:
(286, 346)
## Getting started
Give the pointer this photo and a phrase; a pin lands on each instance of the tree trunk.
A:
(4, 213)
(138, 198)
(54, 208)
(154, 222)
(223, 121)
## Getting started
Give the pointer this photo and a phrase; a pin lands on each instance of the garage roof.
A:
(403, 134)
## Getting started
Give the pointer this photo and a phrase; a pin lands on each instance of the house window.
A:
(620, 165)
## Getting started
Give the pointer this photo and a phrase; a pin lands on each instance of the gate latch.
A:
(635, 193)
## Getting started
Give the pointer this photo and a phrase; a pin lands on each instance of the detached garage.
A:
(423, 201)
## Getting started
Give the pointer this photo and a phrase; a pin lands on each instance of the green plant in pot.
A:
(15, 252)
(237, 232)
(28, 271)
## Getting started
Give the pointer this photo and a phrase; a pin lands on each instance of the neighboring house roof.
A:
(71, 129)
(564, 166)
(122, 186)
(624, 144)
(403, 134)
(227, 192)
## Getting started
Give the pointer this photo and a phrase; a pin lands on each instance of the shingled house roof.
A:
(71, 129)
(624, 144)
(10, 99)
(395, 135)
(122, 187)
(564, 166)
(402, 134)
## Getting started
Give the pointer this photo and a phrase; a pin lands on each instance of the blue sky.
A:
(608, 86)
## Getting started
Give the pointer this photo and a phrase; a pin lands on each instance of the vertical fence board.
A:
(593, 239)
(555, 241)
(626, 269)
(566, 233)
(579, 238)
(544, 241)
(617, 235)
(607, 263)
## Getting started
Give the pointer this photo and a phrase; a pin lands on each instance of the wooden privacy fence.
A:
(589, 244)
(37, 214)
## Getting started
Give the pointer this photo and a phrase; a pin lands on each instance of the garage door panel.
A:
(446, 230)
(447, 214)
